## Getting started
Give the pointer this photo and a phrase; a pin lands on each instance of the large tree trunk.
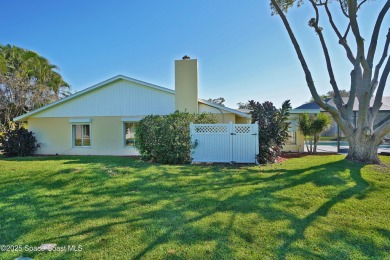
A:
(363, 148)
(363, 137)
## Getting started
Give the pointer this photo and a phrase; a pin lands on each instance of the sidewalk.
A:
(331, 148)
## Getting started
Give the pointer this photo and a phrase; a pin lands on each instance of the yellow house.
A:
(100, 119)
(296, 141)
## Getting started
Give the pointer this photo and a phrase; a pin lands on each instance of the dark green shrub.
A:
(273, 129)
(19, 142)
(166, 139)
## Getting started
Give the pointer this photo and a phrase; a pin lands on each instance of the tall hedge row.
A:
(166, 139)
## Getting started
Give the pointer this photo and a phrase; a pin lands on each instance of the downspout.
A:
(223, 118)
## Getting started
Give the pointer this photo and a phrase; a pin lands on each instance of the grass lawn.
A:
(123, 208)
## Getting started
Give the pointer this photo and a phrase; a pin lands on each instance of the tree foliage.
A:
(218, 101)
(242, 105)
(27, 82)
(166, 139)
(273, 129)
(311, 126)
(18, 142)
(368, 75)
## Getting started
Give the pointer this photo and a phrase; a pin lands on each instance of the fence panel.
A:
(245, 143)
(211, 141)
(228, 143)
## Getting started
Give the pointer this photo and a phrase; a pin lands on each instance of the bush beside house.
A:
(18, 142)
(166, 139)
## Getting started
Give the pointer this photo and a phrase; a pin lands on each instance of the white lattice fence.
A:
(231, 143)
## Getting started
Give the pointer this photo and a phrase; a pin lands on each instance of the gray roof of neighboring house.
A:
(314, 105)
(385, 103)
(311, 105)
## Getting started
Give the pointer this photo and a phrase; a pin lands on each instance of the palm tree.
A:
(27, 81)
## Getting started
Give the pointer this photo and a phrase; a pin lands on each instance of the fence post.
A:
(231, 130)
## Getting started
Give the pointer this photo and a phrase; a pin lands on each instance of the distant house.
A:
(100, 120)
(314, 108)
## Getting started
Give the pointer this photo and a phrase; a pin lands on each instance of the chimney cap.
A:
(186, 57)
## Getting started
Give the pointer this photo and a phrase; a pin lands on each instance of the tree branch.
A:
(352, 9)
(342, 40)
(380, 63)
(383, 130)
(343, 10)
(352, 92)
(347, 31)
(309, 79)
(338, 100)
(361, 4)
(381, 87)
(375, 33)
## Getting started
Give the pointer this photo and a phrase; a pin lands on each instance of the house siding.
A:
(55, 136)
(105, 108)
(298, 147)
(116, 99)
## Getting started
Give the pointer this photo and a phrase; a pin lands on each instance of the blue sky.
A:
(244, 52)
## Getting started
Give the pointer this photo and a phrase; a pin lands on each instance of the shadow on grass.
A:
(151, 205)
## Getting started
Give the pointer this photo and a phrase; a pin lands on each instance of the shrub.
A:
(311, 126)
(273, 129)
(166, 139)
(19, 142)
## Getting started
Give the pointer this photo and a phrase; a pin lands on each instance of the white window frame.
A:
(295, 135)
(74, 137)
(124, 134)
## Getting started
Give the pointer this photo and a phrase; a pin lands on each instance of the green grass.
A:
(123, 208)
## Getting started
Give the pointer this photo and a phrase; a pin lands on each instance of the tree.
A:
(311, 127)
(366, 79)
(242, 105)
(273, 129)
(218, 101)
(27, 82)
(330, 94)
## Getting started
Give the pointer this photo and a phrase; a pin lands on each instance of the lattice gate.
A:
(229, 143)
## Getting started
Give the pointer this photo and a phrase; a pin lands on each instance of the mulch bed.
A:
(289, 155)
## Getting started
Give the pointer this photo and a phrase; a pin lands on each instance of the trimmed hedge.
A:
(166, 139)
(18, 142)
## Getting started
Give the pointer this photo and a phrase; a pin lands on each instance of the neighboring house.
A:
(100, 120)
(296, 141)
(313, 108)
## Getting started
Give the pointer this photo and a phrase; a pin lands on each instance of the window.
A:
(129, 134)
(292, 138)
(81, 135)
